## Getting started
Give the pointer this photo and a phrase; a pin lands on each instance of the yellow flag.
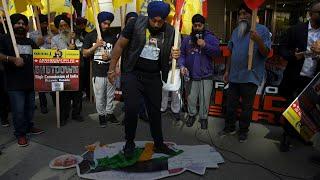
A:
(55, 6)
(89, 14)
(191, 8)
(118, 3)
(34, 3)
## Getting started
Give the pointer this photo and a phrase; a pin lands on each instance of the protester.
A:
(243, 83)
(149, 40)
(19, 78)
(42, 38)
(62, 41)
(302, 66)
(197, 53)
(80, 30)
(101, 51)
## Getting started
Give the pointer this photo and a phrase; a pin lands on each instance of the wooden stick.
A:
(251, 44)
(175, 45)
(58, 108)
(36, 14)
(96, 20)
(121, 18)
(4, 25)
(33, 18)
(71, 17)
(91, 84)
(13, 38)
(49, 17)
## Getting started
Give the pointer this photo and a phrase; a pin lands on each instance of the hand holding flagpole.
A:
(254, 6)
(13, 38)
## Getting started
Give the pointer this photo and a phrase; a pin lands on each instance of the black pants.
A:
(4, 98)
(43, 99)
(65, 104)
(247, 93)
(138, 85)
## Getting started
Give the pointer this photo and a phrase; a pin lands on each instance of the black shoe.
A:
(243, 137)
(102, 121)
(111, 118)
(190, 121)
(5, 122)
(63, 122)
(128, 149)
(285, 143)
(177, 116)
(164, 149)
(227, 131)
(315, 160)
(44, 110)
(78, 118)
(144, 117)
(204, 123)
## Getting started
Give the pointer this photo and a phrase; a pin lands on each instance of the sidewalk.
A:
(262, 147)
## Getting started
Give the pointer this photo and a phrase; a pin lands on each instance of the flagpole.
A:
(13, 38)
(33, 18)
(4, 25)
(49, 17)
(175, 46)
(36, 13)
(71, 21)
(96, 20)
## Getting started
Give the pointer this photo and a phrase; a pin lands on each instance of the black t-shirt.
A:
(19, 78)
(153, 40)
(99, 68)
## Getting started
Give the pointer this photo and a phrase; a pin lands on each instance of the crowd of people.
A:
(145, 47)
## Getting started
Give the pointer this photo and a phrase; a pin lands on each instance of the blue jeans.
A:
(22, 107)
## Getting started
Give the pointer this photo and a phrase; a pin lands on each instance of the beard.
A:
(65, 35)
(20, 31)
(244, 28)
(154, 30)
(44, 31)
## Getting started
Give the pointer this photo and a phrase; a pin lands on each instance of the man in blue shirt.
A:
(243, 83)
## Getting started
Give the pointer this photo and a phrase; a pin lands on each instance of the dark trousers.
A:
(138, 85)
(66, 97)
(4, 105)
(4, 99)
(22, 107)
(43, 99)
(247, 93)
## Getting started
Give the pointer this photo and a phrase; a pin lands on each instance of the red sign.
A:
(56, 71)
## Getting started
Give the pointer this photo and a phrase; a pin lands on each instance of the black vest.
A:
(138, 41)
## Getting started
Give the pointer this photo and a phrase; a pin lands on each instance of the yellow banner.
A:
(118, 3)
(51, 53)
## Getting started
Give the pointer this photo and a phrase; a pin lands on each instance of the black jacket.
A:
(138, 41)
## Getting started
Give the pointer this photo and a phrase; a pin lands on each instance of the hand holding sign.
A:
(254, 6)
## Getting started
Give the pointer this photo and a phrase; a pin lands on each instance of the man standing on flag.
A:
(149, 40)
(197, 53)
(101, 51)
(19, 78)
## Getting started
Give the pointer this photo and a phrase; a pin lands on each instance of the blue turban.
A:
(103, 16)
(158, 8)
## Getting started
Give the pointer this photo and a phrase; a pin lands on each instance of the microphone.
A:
(198, 36)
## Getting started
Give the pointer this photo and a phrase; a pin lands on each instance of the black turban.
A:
(17, 17)
(60, 18)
